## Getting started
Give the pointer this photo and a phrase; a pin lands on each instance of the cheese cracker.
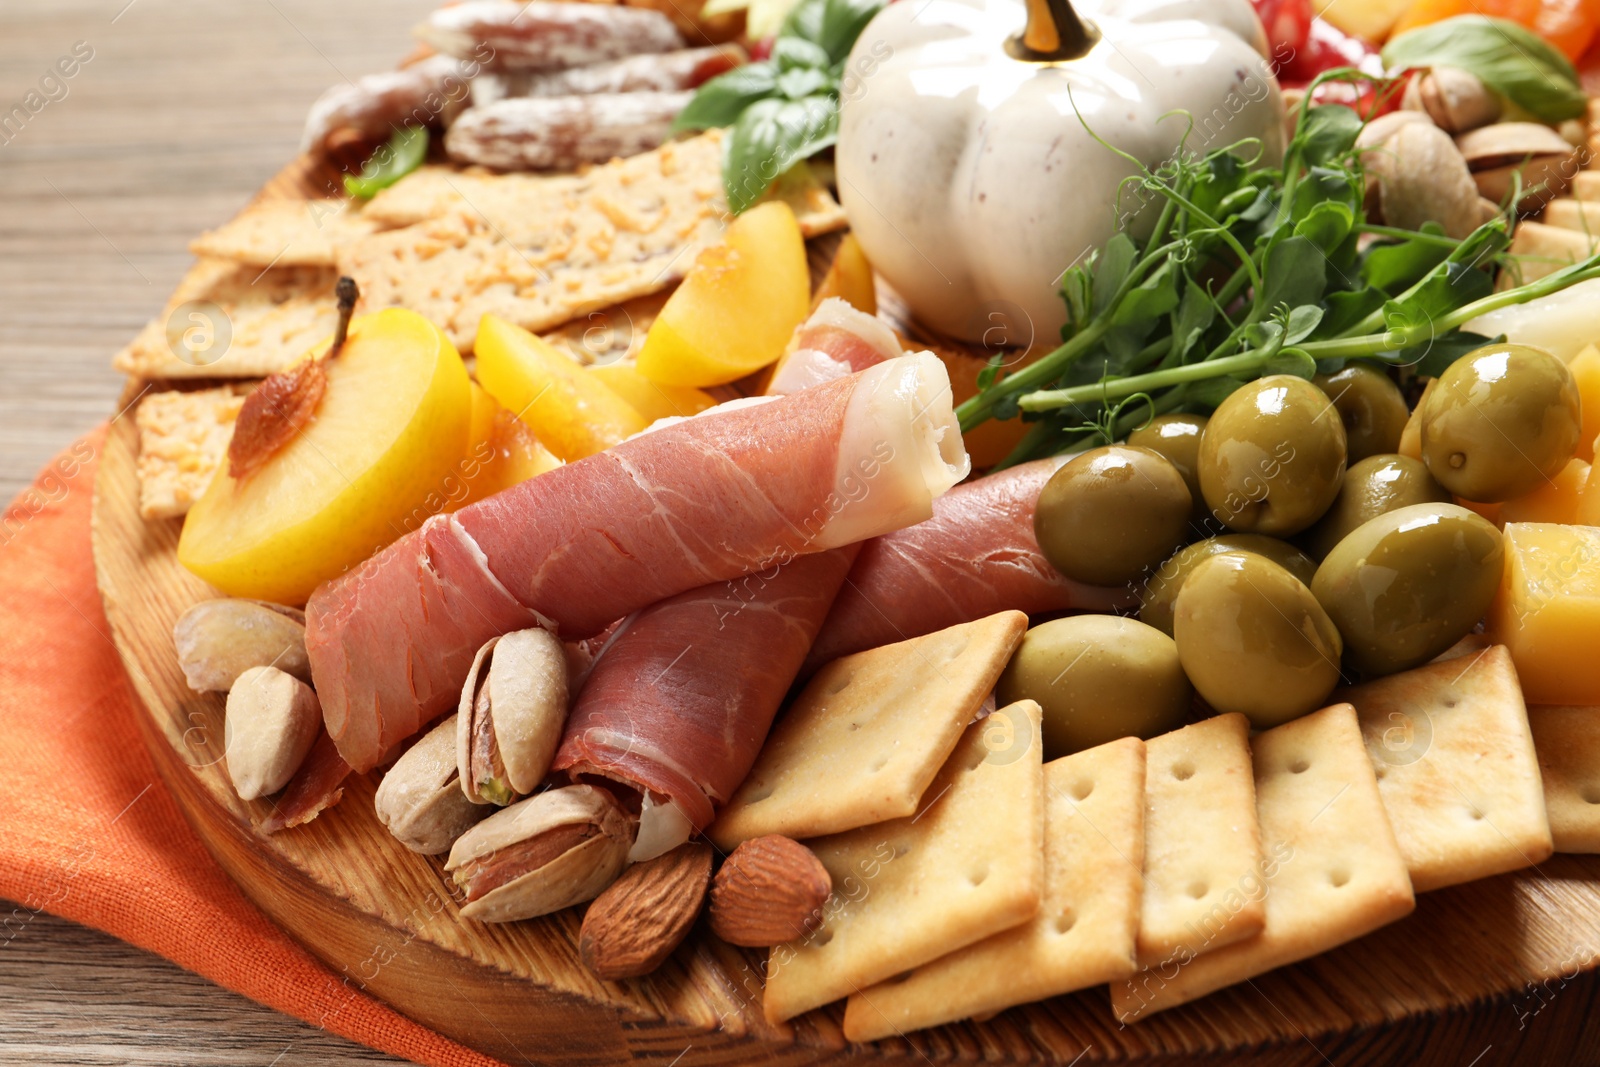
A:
(1456, 767)
(285, 233)
(968, 864)
(1332, 867)
(183, 439)
(1202, 845)
(539, 251)
(1567, 740)
(861, 743)
(1084, 932)
(231, 321)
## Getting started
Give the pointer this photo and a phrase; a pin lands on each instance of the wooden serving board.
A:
(1498, 971)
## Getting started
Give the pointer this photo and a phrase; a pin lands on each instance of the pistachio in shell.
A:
(420, 800)
(548, 852)
(272, 721)
(218, 640)
(512, 711)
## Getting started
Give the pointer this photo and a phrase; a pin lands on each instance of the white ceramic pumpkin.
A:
(969, 177)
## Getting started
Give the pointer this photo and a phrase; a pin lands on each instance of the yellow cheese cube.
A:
(1548, 611)
(1557, 500)
(1585, 367)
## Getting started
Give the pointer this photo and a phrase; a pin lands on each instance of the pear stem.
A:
(348, 293)
(1054, 32)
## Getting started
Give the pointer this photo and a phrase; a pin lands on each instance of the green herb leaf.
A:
(1433, 358)
(769, 138)
(833, 24)
(1329, 134)
(1111, 270)
(790, 53)
(404, 153)
(1295, 361)
(720, 101)
(1303, 322)
(1396, 267)
(800, 82)
(1296, 272)
(1513, 61)
(1327, 225)
(1149, 300)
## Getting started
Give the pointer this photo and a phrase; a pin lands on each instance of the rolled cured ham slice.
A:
(677, 707)
(976, 556)
(836, 340)
(682, 699)
(701, 501)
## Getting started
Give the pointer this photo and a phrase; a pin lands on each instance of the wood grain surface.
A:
(185, 109)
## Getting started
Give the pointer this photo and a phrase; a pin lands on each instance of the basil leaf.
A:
(805, 21)
(792, 52)
(1513, 61)
(801, 82)
(720, 101)
(769, 138)
(404, 153)
(842, 23)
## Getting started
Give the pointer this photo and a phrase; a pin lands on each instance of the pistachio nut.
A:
(419, 799)
(509, 721)
(1456, 100)
(218, 640)
(548, 852)
(1422, 177)
(1498, 154)
(1380, 129)
(272, 721)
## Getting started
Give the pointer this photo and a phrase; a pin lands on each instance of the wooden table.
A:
(185, 108)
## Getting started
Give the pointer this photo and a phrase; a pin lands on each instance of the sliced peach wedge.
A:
(376, 457)
(737, 307)
(502, 451)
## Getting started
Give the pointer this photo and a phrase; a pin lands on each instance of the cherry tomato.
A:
(1328, 48)
(761, 50)
(1287, 22)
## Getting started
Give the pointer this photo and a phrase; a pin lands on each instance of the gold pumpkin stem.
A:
(1053, 33)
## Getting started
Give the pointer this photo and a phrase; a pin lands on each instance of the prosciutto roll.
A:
(682, 699)
(679, 704)
(700, 501)
(976, 556)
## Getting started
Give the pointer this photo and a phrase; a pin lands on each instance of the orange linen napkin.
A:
(87, 831)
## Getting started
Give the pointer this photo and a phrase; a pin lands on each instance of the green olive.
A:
(1272, 457)
(1373, 487)
(1098, 678)
(1112, 513)
(1160, 591)
(1253, 639)
(1178, 438)
(1407, 585)
(1370, 406)
(1501, 422)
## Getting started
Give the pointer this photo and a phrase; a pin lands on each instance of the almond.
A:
(636, 923)
(770, 890)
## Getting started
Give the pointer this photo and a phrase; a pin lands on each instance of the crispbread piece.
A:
(285, 233)
(1202, 844)
(1567, 740)
(542, 251)
(268, 319)
(183, 438)
(609, 335)
(1456, 768)
(1084, 932)
(966, 866)
(861, 743)
(1332, 866)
